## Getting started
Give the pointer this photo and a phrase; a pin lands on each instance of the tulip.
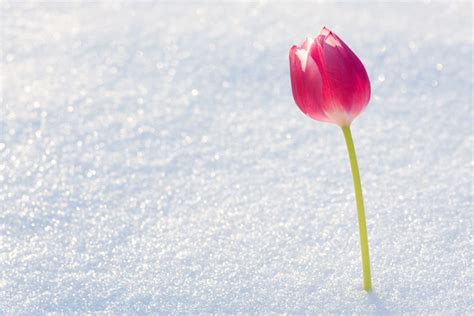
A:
(330, 84)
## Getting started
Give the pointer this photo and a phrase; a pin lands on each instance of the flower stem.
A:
(364, 243)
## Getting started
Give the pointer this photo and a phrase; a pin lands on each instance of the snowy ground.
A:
(152, 160)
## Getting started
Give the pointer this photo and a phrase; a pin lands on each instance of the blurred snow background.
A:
(152, 160)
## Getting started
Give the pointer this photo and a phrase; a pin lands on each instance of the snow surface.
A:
(153, 160)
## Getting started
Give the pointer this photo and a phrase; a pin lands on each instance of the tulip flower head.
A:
(328, 80)
(330, 84)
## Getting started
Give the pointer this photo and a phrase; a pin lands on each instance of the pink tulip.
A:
(329, 82)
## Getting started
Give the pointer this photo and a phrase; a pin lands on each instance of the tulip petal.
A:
(306, 83)
(307, 43)
(347, 82)
(296, 75)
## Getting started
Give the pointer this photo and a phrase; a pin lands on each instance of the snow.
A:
(152, 160)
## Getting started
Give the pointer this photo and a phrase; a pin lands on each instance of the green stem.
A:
(364, 243)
